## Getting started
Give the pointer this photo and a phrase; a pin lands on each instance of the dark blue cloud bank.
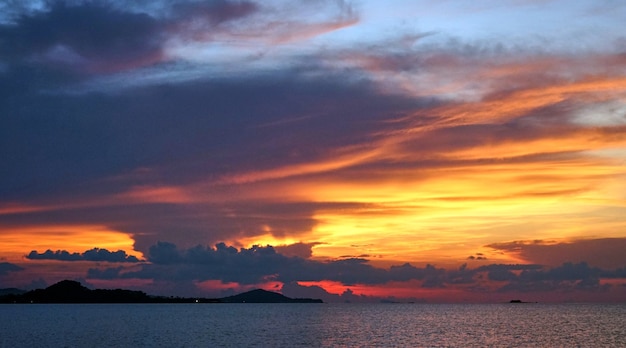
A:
(66, 147)
(259, 264)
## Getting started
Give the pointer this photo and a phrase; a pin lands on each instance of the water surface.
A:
(312, 325)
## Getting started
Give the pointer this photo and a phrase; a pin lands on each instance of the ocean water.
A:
(313, 325)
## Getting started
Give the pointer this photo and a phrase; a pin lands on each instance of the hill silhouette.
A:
(70, 291)
(11, 291)
(264, 296)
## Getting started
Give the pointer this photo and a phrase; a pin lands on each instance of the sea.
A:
(313, 325)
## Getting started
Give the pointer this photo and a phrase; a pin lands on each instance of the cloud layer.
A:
(94, 254)
(243, 268)
(357, 140)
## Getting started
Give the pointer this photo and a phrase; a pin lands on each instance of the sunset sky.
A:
(440, 151)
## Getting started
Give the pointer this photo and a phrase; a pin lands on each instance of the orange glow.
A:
(309, 168)
(443, 216)
(330, 286)
(19, 241)
(16, 208)
(410, 290)
(213, 285)
(152, 194)
(263, 240)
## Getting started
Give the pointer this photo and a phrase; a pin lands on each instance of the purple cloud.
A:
(95, 254)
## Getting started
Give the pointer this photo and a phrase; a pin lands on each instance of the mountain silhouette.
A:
(70, 291)
(264, 296)
(11, 291)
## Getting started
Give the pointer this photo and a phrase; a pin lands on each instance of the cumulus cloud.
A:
(257, 265)
(263, 263)
(302, 250)
(95, 254)
(295, 290)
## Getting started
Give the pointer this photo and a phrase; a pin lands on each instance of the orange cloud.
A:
(15, 242)
(156, 194)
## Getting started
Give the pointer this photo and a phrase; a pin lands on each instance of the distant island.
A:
(69, 291)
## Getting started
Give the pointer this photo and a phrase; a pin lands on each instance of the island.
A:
(264, 296)
(70, 291)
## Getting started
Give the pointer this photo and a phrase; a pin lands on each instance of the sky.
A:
(436, 151)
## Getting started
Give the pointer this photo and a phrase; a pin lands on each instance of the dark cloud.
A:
(301, 250)
(185, 131)
(166, 253)
(95, 254)
(509, 267)
(6, 267)
(478, 256)
(100, 37)
(501, 274)
(295, 290)
(259, 264)
(567, 277)
(83, 148)
(89, 34)
(617, 273)
(606, 253)
(566, 272)
(461, 276)
(214, 12)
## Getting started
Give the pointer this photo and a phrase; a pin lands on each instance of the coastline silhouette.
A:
(70, 291)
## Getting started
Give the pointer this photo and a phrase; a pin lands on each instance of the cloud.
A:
(6, 267)
(252, 22)
(478, 256)
(301, 250)
(87, 34)
(214, 12)
(94, 254)
(115, 154)
(262, 263)
(295, 290)
(168, 264)
(244, 122)
(604, 252)
(567, 277)
(100, 38)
